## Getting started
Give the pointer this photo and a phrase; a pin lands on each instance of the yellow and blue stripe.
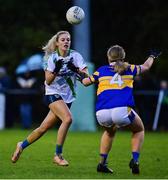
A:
(114, 93)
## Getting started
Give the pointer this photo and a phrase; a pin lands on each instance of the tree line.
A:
(136, 25)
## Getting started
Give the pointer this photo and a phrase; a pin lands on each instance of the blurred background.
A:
(25, 28)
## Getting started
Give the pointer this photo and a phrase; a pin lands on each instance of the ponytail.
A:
(120, 66)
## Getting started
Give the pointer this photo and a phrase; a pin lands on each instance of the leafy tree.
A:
(27, 25)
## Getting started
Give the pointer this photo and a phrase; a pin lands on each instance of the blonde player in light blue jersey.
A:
(115, 102)
(61, 66)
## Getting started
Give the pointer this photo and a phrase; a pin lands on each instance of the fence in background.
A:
(148, 106)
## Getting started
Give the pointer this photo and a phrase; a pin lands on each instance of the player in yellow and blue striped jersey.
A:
(115, 102)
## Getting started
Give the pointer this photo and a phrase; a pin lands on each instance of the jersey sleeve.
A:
(79, 61)
(48, 63)
(135, 69)
(95, 76)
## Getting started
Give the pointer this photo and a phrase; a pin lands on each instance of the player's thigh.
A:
(136, 125)
(61, 110)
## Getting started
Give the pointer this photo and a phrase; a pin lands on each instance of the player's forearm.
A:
(85, 70)
(147, 64)
(49, 77)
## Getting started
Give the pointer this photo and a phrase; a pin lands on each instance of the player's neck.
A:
(63, 53)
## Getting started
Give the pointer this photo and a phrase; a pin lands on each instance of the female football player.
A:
(114, 106)
(61, 65)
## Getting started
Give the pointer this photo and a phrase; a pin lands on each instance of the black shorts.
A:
(52, 98)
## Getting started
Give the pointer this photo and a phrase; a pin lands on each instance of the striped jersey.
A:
(114, 90)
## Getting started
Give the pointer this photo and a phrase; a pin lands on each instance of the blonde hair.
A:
(117, 54)
(51, 46)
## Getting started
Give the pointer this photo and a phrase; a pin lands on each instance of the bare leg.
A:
(58, 109)
(106, 140)
(137, 129)
(137, 139)
(48, 122)
(63, 112)
(105, 147)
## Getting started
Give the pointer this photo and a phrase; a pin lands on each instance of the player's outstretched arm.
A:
(148, 63)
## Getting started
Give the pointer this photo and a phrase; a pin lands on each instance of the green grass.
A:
(82, 151)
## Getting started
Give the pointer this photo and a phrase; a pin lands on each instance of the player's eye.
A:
(62, 39)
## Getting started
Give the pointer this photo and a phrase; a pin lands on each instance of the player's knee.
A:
(68, 119)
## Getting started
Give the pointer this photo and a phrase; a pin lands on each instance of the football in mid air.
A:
(75, 15)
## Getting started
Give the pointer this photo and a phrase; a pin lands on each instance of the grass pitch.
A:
(81, 149)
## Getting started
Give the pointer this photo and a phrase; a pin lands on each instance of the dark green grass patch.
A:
(81, 149)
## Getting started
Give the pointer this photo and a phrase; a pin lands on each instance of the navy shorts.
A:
(52, 98)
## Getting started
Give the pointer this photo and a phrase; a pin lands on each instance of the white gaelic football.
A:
(75, 15)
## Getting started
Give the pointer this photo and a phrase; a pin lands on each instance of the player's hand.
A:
(72, 67)
(81, 76)
(58, 66)
(155, 54)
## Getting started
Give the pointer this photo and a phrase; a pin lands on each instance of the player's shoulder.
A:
(73, 52)
(53, 55)
(132, 67)
(103, 68)
(75, 55)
